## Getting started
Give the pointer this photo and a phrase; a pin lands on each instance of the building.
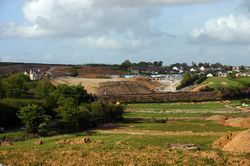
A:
(34, 75)
(220, 74)
(192, 70)
(202, 68)
(210, 75)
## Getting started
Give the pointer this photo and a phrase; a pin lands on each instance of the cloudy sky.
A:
(110, 31)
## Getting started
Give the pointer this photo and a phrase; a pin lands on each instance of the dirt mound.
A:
(75, 141)
(240, 143)
(217, 118)
(123, 87)
(238, 122)
(222, 141)
(79, 141)
(4, 143)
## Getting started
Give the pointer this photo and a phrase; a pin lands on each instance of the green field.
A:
(178, 106)
(236, 83)
(184, 125)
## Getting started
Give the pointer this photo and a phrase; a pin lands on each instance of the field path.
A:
(159, 133)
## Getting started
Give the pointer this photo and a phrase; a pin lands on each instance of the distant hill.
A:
(90, 71)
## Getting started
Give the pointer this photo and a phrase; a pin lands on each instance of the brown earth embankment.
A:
(163, 97)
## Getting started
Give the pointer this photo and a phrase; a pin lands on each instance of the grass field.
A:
(182, 110)
(181, 125)
(134, 142)
(236, 83)
(178, 106)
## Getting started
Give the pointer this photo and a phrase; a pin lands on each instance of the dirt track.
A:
(155, 133)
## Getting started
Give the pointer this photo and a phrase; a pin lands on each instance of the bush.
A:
(78, 93)
(201, 79)
(16, 86)
(206, 89)
(44, 89)
(32, 116)
(188, 79)
(105, 112)
(10, 107)
(69, 112)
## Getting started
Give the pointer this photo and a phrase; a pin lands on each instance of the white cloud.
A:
(231, 29)
(100, 42)
(93, 21)
(14, 30)
(140, 3)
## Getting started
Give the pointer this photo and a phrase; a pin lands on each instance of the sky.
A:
(111, 31)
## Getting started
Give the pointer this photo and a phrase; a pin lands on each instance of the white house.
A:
(202, 68)
(220, 74)
(34, 75)
(192, 70)
(176, 68)
(210, 75)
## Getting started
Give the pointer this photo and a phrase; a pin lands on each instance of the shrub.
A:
(44, 89)
(69, 112)
(105, 112)
(78, 93)
(188, 79)
(16, 86)
(32, 116)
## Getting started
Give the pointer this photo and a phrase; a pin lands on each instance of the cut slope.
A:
(123, 87)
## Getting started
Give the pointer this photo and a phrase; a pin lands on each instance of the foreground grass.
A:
(136, 149)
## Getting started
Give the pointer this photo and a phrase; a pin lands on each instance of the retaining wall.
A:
(162, 97)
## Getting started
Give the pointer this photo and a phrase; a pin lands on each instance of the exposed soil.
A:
(243, 122)
(123, 87)
(217, 118)
(197, 88)
(110, 86)
(239, 143)
(223, 140)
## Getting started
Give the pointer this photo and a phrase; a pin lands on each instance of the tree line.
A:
(44, 108)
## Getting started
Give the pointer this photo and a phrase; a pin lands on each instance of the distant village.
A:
(156, 70)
